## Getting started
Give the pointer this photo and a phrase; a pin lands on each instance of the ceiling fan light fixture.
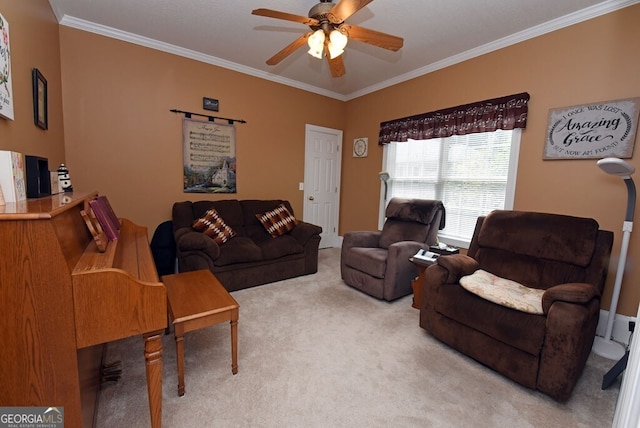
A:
(337, 43)
(316, 44)
(330, 32)
(338, 39)
(315, 54)
(333, 51)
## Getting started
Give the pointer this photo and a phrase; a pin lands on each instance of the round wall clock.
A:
(360, 147)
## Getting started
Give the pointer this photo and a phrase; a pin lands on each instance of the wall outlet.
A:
(300, 186)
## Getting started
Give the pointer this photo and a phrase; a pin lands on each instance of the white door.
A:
(323, 152)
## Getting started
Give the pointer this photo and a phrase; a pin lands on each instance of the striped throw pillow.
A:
(212, 225)
(277, 221)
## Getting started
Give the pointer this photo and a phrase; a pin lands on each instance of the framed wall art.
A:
(592, 131)
(209, 151)
(6, 91)
(360, 147)
(40, 108)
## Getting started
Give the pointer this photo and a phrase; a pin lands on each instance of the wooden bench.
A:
(198, 300)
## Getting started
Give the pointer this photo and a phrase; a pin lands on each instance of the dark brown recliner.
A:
(377, 263)
(566, 256)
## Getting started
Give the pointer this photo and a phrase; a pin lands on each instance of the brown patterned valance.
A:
(485, 116)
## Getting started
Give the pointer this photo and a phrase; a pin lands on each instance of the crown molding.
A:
(55, 7)
(547, 27)
(539, 30)
(80, 24)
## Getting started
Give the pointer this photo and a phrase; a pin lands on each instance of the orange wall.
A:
(33, 49)
(122, 140)
(597, 60)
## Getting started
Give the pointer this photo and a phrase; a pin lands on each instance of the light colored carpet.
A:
(314, 352)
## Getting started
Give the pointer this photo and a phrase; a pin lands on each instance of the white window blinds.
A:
(472, 174)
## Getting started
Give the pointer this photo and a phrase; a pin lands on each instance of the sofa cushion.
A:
(277, 221)
(276, 248)
(503, 291)
(372, 261)
(238, 250)
(420, 210)
(398, 230)
(535, 272)
(521, 330)
(212, 225)
(555, 237)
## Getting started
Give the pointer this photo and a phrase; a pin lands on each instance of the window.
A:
(472, 174)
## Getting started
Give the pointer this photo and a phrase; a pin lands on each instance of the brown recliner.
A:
(566, 256)
(377, 263)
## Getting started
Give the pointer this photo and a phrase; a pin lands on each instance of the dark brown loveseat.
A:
(253, 256)
(565, 256)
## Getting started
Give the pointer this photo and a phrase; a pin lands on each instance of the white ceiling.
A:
(436, 33)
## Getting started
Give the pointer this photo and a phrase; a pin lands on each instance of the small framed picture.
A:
(210, 104)
(360, 147)
(40, 109)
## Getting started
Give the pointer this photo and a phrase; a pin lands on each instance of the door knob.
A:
(311, 198)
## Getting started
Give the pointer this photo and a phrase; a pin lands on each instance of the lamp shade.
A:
(337, 43)
(316, 43)
(615, 166)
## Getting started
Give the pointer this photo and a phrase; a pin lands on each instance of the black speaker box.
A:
(38, 178)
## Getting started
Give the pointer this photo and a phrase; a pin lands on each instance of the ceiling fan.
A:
(329, 32)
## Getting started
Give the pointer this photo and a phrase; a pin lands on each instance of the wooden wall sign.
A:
(592, 131)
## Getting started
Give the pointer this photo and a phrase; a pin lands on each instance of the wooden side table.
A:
(422, 265)
(198, 300)
(416, 284)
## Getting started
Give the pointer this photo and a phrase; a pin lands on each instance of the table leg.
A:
(180, 359)
(153, 362)
(234, 341)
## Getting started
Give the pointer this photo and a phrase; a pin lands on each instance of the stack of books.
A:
(105, 215)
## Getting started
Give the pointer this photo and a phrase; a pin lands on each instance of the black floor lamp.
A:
(604, 346)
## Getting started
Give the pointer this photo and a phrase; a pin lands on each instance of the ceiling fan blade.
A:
(376, 38)
(345, 8)
(289, 49)
(286, 16)
(336, 66)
